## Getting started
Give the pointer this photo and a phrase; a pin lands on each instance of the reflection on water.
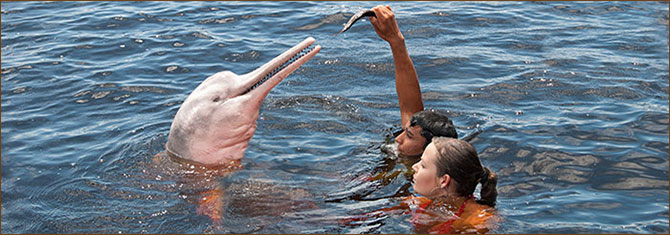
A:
(566, 102)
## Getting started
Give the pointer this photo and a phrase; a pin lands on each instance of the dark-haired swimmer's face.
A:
(410, 141)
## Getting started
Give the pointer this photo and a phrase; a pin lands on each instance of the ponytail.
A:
(460, 160)
(488, 193)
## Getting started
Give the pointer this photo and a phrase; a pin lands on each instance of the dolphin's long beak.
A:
(210, 130)
(262, 80)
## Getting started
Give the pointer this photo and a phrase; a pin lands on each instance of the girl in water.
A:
(446, 178)
(449, 169)
(447, 175)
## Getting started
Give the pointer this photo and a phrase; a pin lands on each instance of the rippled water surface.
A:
(571, 99)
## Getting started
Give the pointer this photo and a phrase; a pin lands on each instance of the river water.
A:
(570, 100)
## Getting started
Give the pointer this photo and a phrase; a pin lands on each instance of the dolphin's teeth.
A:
(281, 67)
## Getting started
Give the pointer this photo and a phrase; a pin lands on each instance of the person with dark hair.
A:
(433, 124)
(419, 126)
(445, 179)
(449, 169)
(447, 175)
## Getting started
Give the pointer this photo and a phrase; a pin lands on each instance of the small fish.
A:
(355, 18)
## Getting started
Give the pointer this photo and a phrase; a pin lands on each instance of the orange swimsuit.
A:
(442, 227)
(457, 224)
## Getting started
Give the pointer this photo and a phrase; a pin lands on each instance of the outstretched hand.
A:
(385, 24)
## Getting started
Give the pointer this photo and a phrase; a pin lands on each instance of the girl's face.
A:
(426, 181)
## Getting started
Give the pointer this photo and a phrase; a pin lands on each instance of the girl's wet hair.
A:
(459, 159)
(433, 124)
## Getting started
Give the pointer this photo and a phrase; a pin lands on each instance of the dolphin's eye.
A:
(216, 99)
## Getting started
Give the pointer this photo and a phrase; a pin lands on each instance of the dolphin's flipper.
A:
(355, 18)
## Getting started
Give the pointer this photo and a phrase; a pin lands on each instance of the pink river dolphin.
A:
(218, 119)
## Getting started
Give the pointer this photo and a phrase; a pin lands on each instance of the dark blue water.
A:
(571, 99)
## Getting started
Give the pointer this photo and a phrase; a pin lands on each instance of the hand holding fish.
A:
(386, 26)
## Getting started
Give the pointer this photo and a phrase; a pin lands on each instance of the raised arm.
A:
(406, 80)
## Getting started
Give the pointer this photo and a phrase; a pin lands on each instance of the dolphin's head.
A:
(217, 120)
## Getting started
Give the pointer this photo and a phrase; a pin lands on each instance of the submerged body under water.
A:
(566, 101)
